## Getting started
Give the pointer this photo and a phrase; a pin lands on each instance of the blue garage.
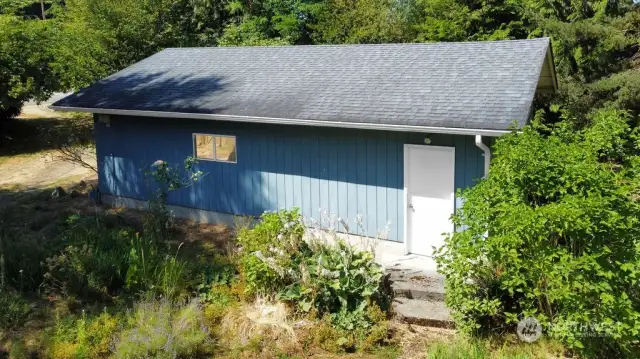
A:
(383, 133)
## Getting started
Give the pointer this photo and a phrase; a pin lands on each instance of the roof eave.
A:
(552, 63)
(286, 121)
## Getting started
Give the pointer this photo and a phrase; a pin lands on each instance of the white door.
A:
(430, 196)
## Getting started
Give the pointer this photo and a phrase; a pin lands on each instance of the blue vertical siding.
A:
(343, 172)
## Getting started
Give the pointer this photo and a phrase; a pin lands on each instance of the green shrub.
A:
(277, 231)
(84, 337)
(329, 278)
(552, 233)
(333, 280)
(14, 310)
(166, 178)
(340, 280)
(369, 338)
(94, 260)
(161, 329)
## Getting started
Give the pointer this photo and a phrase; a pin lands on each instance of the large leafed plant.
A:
(553, 233)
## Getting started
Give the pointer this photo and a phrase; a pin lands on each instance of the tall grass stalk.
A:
(171, 274)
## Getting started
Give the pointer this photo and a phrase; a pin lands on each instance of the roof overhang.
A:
(548, 81)
(286, 121)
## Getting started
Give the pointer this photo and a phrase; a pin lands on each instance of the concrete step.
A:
(419, 292)
(432, 313)
(428, 288)
(416, 284)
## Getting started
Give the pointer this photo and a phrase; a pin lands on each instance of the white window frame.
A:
(213, 143)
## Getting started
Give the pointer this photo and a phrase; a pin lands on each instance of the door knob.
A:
(411, 206)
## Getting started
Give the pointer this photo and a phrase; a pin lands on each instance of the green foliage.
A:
(98, 261)
(161, 329)
(43, 57)
(151, 270)
(18, 350)
(368, 338)
(25, 73)
(277, 231)
(340, 280)
(327, 279)
(455, 20)
(22, 257)
(94, 259)
(166, 178)
(83, 337)
(221, 272)
(14, 310)
(470, 349)
(552, 233)
(361, 21)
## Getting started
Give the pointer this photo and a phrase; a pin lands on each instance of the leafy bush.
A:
(553, 233)
(340, 280)
(332, 279)
(84, 337)
(275, 232)
(220, 299)
(161, 329)
(14, 310)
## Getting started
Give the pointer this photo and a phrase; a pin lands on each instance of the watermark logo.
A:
(529, 330)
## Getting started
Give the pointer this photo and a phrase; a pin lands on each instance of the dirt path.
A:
(41, 169)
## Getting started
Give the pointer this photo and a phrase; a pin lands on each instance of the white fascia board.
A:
(284, 121)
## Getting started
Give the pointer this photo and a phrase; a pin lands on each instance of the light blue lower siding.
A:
(341, 171)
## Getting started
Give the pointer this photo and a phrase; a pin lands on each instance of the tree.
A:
(269, 22)
(361, 22)
(596, 48)
(25, 58)
(552, 234)
(460, 20)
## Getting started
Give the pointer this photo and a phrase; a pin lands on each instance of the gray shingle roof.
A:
(472, 85)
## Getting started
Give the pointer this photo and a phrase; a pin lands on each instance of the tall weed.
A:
(161, 329)
(94, 260)
(14, 309)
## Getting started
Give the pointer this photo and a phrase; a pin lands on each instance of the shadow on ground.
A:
(31, 135)
(35, 215)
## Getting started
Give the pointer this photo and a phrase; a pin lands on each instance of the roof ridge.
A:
(434, 43)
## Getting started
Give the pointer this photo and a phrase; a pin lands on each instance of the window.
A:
(214, 147)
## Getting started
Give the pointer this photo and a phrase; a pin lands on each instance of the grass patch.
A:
(465, 348)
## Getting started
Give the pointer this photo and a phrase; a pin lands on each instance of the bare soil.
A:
(38, 170)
